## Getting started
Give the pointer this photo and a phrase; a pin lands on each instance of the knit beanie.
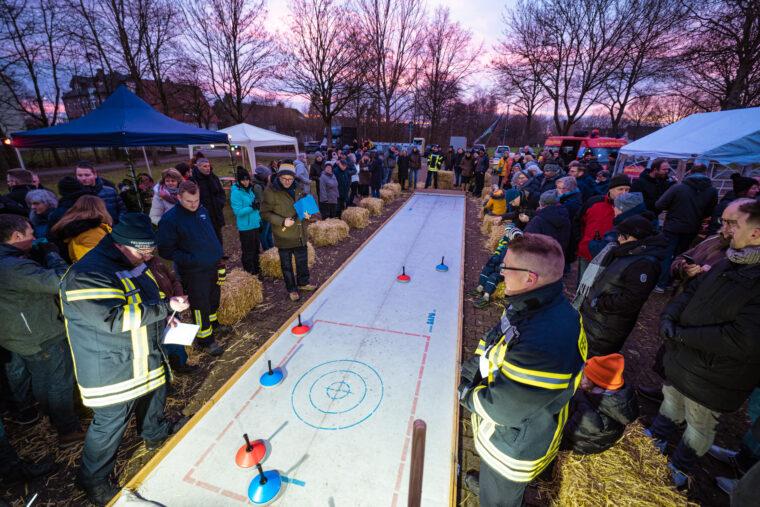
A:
(548, 198)
(68, 186)
(511, 194)
(629, 201)
(262, 172)
(742, 183)
(552, 168)
(620, 180)
(241, 173)
(135, 230)
(286, 170)
(636, 226)
(606, 371)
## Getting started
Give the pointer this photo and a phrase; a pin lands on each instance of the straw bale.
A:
(328, 232)
(356, 217)
(240, 293)
(270, 261)
(445, 180)
(485, 192)
(373, 204)
(394, 187)
(492, 241)
(387, 195)
(632, 473)
(489, 221)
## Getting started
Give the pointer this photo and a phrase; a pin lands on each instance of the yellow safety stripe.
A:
(205, 333)
(139, 335)
(481, 348)
(125, 396)
(538, 373)
(94, 392)
(212, 317)
(85, 294)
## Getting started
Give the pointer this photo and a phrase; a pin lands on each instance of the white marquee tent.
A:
(251, 137)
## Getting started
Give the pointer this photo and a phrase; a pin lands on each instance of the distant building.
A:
(186, 102)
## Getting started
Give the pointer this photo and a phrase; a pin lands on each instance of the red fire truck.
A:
(573, 147)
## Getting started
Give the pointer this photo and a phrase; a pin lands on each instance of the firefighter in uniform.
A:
(524, 373)
(435, 161)
(186, 236)
(114, 317)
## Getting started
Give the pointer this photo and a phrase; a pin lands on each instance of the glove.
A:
(667, 329)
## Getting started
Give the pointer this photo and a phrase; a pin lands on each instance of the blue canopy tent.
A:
(123, 120)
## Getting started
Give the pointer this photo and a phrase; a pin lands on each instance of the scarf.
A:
(749, 255)
(592, 274)
(168, 194)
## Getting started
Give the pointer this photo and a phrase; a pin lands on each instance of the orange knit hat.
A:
(606, 371)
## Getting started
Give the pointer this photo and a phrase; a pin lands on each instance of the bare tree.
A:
(325, 50)
(89, 34)
(520, 86)
(394, 32)
(445, 62)
(721, 64)
(161, 21)
(236, 55)
(572, 46)
(648, 57)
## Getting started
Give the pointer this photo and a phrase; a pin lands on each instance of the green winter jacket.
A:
(28, 307)
(277, 206)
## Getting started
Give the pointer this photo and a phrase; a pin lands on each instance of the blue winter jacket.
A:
(188, 239)
(241, 200)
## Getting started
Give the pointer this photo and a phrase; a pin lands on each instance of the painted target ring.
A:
(337, 395)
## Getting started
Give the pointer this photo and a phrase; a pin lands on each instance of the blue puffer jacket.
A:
(241, 200)
(188, 239)
(111, 198)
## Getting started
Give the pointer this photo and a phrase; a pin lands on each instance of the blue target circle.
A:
(337, 394)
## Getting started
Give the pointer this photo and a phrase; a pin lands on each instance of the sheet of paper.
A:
(181, 334)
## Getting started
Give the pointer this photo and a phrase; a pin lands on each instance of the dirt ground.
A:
(189, 393)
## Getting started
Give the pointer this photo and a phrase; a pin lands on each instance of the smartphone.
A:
(689, 259)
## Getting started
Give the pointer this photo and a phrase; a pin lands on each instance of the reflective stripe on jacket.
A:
(114, 319)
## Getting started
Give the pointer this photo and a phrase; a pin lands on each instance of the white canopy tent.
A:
(726, 141)
(251, 137)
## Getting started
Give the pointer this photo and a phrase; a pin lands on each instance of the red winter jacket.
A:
(597, 217)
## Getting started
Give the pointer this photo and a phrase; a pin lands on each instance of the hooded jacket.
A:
(596, 218)
(687, 204)
(328, 188)
(376, 170)
(467, 165)
(598, 419)
(28, 308)
(213, 197)
(302, 175)
(651, 188)
(613, 304)
(277, 206)
(242, 201)
(81, 236)
(552, 221)
(715, 356)
(496, 205)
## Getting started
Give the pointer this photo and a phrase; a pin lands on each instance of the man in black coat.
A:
(653, 182)
(19, 183)
(687, 204)
(213, 197)
(552, 220)
(712, 357)
(627, 276)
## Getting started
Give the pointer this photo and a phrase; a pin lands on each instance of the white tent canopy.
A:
(725, 137)
(251, 137)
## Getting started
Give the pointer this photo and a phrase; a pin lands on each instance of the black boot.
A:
(99, 493)
(14, 469)
(472, 482)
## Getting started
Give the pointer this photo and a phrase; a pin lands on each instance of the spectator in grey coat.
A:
(328, 192)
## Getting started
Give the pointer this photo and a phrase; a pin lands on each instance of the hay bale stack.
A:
(328, 232)
(492, 241)
(631, 473)
(270, 261)
(387, 195)
(373, 204)
(489, 221)
(240, 293)
(356, 217)
(445, 180)
(393, 187)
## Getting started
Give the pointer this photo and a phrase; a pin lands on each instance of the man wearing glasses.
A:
(115, 318)
(519, 384)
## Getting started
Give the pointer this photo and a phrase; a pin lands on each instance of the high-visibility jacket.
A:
(435, 161)
(114, 318)
(531, 364)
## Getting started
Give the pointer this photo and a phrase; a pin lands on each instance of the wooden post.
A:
(418, 463)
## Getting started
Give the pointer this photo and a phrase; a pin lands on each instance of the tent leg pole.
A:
(147, 163)
(20, 158)
(232, 160)
(134, 178)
